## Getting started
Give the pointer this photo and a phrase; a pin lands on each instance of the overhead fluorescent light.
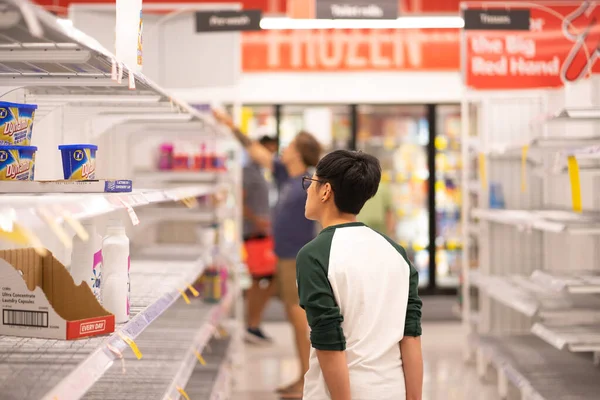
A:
(425, 22)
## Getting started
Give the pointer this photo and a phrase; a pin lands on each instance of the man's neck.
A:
(296, 169)
(338, 219)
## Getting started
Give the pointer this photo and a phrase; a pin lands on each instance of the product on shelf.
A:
(188, 157)
(16, 123)
(79, 161)
(40, 299)
(115, 285)
(17, 163)
(165, 156)
(213, 284)
(97, 186)
(86, 259)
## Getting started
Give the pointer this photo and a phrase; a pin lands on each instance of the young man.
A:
(257, 226)
(359, 291)
(291, 230)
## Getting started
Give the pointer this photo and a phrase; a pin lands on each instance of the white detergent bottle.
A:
(86, 259)
(115, 271)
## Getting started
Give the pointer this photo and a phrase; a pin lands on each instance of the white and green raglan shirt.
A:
(359, 291)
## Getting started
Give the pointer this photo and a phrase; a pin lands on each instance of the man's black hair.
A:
(354, 178)
(267, 140)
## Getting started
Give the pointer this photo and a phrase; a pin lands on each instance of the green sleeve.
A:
(412, 324)
(317, 299)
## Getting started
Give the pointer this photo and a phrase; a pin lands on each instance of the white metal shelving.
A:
(84, 94)
(538, 266)
(155, 286)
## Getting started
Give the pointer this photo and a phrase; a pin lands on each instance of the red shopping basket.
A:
(260, 257)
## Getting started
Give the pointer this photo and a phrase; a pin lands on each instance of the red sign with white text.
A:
(345, 50)
(561, 46)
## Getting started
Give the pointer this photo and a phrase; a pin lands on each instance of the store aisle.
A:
(446, 376)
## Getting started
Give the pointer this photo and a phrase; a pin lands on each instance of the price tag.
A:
(573, 168)
(132, 215)
(120, 74)
(55, 227)
(201, 359)
(185, 297)
(482, 174)
(193, 291)
(183, 393)
(131, 80)
(131, 344)
(113, 70)
(524, 151)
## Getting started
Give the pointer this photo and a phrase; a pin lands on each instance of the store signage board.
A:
(559, 46)
(346, 50)
(228, 21)
(356, 9)
(497, 19)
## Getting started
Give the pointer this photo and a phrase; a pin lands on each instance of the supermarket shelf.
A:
(544, 144)
(574, 282)
(190, 360)
(25, 209)
(528, 297)
(578, 338)
(576, 115)
(201, 216)
(68, 369)
(169, 347)
(539, 371)
(544, 220)
(170, 252)
(177, 176)
(213, 380)
(52, 58)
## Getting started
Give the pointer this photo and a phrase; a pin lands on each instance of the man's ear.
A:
(327, 192)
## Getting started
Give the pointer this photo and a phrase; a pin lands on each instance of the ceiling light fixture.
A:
(425, 22)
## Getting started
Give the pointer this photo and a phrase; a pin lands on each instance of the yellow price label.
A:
(400, 177)
(183, 393)
(55, 227)
(573, 168)
(201, 359)
(482, 171)
(185, 297)
(193, 291)
(73, 223)
(132, 345)
(524, 151)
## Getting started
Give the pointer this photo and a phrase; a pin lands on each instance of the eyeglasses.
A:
(306, 181)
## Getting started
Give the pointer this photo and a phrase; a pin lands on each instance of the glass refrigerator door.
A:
(330, 124)
(398, 136)
(448, 196)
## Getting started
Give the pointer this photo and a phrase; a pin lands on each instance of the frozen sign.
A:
(351, 50)
(527, 45)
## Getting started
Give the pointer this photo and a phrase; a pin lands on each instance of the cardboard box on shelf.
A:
(38, 298)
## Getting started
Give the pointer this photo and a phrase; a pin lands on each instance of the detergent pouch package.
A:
(17, 163)
(79, 161)
(16, 123)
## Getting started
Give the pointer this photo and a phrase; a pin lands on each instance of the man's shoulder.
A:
(393, 243)
(318, 248)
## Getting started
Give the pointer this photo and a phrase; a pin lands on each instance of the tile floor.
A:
(447, 377)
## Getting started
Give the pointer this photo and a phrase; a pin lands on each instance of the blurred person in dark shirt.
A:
(291, 230)
(257, 231)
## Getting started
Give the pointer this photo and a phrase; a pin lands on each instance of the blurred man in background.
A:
(378, 212)
(291, 229)
(257, 237)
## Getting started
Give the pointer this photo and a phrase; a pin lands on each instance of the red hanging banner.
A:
(525, 45)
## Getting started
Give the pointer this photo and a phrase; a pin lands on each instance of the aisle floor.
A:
(447, 377)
